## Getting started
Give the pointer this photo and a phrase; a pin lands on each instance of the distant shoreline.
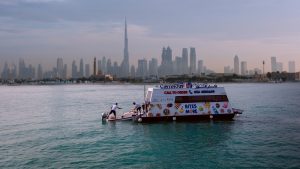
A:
(138, 83)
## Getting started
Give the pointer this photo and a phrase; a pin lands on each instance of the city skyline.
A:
(145, 68)
(33, 31)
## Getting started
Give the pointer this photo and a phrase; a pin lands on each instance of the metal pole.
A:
(144, 92)
(263, 69)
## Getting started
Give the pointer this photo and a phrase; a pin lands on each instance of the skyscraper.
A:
(192, 60)
(292, 67)
(185, 61)
(65, 71)
(103, 65)
(132, 71)
(94, 66)
(200, 67)
(9, 72)
(31, 72)
(236, 65)
(279, 66)
(169, 61)
(100, 72)
(5, 72)
(244, 68)
(273, 64)
(109, 67)
(59, 68)
(166, 67)
(74, 70)
(81, 68)
(142, 68)
(125, 63)
(87, 70)
(227, 69)
(178, 68)
(40, 72)
(153, 66)
(22, 69)
(116, 71)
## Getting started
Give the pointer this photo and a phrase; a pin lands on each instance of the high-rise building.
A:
(244, 70)
(100, 72)
(162, 68)
(87, 70)
(125, 63)
(9, 72)
(169, 61)
(132, 71)
(22, 69)
(31, 72)
(178, 66)
(185, 61)
(166, 67)
(81, 68)
(142, 68)
(59, 68)
(103, 65)
(13, 71)
(153, 67)
(200, 67)
(116, 71)
(192, 60)
(109, 67)
(40, 72)
(236, 65)
(65, 71)
(94, 66)
(273, 64)
(227, 69)
(5, 72)
(26, 72)
(292, 67)
(74, 70)
(279, 66)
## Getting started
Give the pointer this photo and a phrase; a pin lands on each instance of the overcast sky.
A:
(42, 30)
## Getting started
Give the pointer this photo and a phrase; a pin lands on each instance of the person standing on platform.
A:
(114, 108)
(137, 107)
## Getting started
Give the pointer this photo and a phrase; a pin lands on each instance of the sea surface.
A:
(60, 127)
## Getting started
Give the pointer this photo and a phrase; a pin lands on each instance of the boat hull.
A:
(193, 118)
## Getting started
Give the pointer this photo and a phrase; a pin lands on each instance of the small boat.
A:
(237, 111)
(124, 117)
(128, 115)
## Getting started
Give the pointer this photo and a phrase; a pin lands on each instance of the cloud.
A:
(16, 2)
(42, 1)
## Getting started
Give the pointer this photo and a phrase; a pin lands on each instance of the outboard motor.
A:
(104, 116)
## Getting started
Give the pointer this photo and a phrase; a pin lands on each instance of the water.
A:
(60, 127)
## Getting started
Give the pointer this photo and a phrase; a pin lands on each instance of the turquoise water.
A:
(60, 127)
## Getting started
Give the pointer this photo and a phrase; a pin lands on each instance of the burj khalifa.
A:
(125, 62)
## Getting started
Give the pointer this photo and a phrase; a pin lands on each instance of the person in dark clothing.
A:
(114, 108)
(137, 107)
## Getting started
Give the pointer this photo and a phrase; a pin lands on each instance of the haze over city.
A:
(40, 31)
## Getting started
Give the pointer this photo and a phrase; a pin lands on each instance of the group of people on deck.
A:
(137, 108)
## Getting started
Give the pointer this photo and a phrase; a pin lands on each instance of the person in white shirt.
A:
(114, 108)
(137, 107)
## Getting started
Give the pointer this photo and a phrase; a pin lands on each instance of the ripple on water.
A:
(60, 127)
